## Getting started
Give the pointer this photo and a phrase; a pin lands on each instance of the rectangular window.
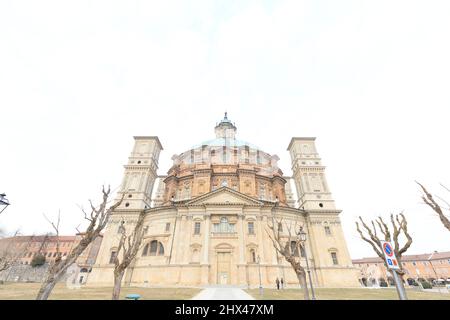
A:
(251, 228)
(247, 154)
(197, 228)
(223, 226)
(167, 226)
(113, 256)
(327, 231)
(334, 257)
(224, 154)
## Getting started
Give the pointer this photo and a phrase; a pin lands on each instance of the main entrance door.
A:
(223, 268)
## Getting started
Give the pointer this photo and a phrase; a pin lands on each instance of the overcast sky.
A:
(369, 79)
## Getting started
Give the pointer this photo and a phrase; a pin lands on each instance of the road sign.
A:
(392, 264)
(389, 255)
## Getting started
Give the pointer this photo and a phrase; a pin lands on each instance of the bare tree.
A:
(429, 200)
(98, 218)
(127, 250)
(11, 252)
(288, 246)
(399, 226)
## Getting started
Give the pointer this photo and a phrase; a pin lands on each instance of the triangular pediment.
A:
(225, 195)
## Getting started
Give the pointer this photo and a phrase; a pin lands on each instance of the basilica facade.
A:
(207, 220)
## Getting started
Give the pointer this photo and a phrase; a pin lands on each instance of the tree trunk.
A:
(117, 284)
(302, 280)
(46, 288)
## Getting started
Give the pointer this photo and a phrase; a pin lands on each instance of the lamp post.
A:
(434, 270)
(260, 282)
(3, 202)
(302, 237)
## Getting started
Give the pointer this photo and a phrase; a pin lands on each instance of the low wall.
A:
(27, 273)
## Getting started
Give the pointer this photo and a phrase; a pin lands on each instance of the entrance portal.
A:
(223, 268)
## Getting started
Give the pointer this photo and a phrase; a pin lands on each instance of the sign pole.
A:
(393, 265)
(399, 285)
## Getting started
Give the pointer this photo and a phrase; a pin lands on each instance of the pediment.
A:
(225, 196)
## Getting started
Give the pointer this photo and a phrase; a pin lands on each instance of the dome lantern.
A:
(225, 129)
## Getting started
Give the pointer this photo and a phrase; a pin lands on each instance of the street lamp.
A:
(3, 201)
(434, 270)
(302, 237)
(260, 282)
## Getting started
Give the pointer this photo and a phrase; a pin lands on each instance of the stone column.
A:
(187, 240)
(205, 258)
(206, 235)
(241, 240)
(181, 239)
(262, 250)
(242, 274)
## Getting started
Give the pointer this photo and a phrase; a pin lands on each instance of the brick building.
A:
(431, 267)
(22, 249)
(29, 246)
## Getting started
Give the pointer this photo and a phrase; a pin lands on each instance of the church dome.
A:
(224, 149)
(225, 162)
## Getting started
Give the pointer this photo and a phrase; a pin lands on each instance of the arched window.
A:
(145, 251)
(156, 249)
(253, 255)
(153, 247)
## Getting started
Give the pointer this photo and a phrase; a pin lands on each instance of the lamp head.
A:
(301, 235)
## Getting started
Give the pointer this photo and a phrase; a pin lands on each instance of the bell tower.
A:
(309, 175)
(140, 173)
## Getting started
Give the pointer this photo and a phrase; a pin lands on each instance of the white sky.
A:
(369, 79)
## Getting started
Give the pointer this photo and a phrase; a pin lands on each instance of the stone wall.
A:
(26, 273)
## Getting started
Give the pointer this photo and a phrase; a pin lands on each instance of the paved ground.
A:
(221, 293)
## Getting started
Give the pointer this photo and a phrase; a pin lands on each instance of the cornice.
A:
(149, 138)
(247, 171)
(225, 189)
(322, 212)
(300, 138)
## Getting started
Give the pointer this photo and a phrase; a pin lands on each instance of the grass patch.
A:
(347, 294)
(28, 291)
